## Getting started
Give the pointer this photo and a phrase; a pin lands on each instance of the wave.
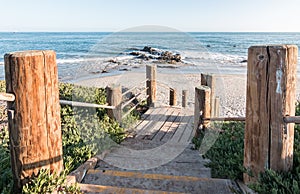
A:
(214, 57)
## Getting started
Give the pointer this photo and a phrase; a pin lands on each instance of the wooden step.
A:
(138, 182)
(132, 174)
(90, 188)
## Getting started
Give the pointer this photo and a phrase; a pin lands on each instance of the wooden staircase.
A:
(157, 158)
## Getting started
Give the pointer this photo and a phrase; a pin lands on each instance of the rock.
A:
(135, 53)
(112, 60)
(208, 45)
(124, 69)
(244, 61)
(177, 57)
(143, 56)
(147, 49)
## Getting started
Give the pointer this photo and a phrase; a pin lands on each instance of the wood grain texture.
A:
(173, 97)
(151, 71)
(185, 98)
(35, 127)
(271, 81)
(202, 108)
(210, 81)
(114, 98)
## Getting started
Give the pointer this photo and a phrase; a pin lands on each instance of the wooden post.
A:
(34, 116)
(184, 98)
(173, 97)
(210, 81)
(271, 86)
(216, 107)
(114, 98)
(151, 84)
(202, 108)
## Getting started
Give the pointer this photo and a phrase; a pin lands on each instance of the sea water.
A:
(87, 54)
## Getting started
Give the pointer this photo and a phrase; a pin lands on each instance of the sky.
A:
(182, 15)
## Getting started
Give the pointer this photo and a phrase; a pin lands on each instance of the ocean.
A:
(82, 55)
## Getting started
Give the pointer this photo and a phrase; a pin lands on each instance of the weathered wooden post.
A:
(202, 108)
(114, 98)
(151, 84)
(210, 81)
(216, 111)
(34, 116)
(271, 86)
(173, 97)
(184, 98)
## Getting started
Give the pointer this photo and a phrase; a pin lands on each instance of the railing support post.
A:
(271, 87)
(184, 98)
(114, 98)
(34, 117)
(173, 97)
(202, 108)
(210, 81)
(151, 84)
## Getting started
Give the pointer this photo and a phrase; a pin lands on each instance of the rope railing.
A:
(7, 97)
(135, 97)
(85, 104)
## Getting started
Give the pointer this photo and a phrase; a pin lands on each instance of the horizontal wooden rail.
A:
(7, 97)
(292, 119)
(130, 100)
(225, 119)
(84, 104)
(128, 112)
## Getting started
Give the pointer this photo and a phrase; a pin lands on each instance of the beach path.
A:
(157, 157)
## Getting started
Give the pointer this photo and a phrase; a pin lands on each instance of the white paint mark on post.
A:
(278, 80)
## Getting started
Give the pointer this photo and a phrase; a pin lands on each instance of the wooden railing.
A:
(270, 108)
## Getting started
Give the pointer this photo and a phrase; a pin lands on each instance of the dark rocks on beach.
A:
(244, 61)
(156, 54)
(112, 61)
(135, 53)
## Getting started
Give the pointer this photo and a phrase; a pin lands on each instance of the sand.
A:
(230, 88)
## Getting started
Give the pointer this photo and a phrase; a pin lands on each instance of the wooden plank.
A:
(34, 121)
(172, 129)
(271, 83)
(155, 123)
(111, 189)
(148, 120)
(162, 132)
(184, 121)
(187, 133)
(159, 124)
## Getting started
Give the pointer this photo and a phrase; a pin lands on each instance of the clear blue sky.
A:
(183, 15)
